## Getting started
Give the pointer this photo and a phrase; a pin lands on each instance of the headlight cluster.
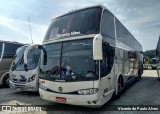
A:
(31, 78)
(88, 91)
(43, 87)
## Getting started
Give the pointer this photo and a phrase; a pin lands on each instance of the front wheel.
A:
(158, 74)
(6, 81)
(120, 88)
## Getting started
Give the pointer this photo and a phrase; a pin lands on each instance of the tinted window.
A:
(78, 23)
(120, 31)
(108, 24)
(104, 62)
(10, 50)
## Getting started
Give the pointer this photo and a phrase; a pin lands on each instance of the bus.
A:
(158, 56)
(90, 57)
(7, 52)
(24, 78)
(154, 63)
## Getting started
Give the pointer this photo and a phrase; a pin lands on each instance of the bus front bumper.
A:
(81, 100)
(30, 86)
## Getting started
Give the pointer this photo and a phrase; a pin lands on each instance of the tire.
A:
(158, 74)
(120, 88)
(6, 81)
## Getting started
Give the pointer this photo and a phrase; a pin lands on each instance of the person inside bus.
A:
(67, 72)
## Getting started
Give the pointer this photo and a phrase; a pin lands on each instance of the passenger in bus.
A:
(67, 72)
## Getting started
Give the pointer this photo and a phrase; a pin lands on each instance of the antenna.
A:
(30, 29)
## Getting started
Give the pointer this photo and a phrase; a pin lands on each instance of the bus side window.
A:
(104, 62)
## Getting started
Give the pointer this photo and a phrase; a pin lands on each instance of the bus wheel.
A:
(6, 81)
(158, 74)
(120, 87)
(159, 78)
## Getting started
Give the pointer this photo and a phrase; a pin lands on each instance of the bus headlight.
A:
(32, 78)
(43, 87)
(88, 91)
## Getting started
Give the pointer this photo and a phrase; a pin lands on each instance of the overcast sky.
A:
(141, 17)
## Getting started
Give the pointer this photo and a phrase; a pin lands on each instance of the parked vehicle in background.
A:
(7, 52)
(90, 57)
(154, 63)
(24, 78)
(158, 56)
(145, 62)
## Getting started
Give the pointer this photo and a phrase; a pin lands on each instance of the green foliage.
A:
(150, 53)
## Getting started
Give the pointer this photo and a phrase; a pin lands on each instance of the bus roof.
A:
(11, 42)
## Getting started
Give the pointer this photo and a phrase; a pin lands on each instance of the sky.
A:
(140, 17)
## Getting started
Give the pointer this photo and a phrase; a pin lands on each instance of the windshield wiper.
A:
(20, 61)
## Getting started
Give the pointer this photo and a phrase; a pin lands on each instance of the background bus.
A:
(7, 52)
(90, 57)
(25, 78)
(154, 63)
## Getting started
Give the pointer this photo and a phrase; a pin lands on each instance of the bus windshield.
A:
(77, 23)
(154, 61)
(71, 60)
(33, 58)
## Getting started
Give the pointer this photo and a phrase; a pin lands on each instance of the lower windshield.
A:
(71, 60)
(33, 58)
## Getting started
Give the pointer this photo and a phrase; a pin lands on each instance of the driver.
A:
(67, 72)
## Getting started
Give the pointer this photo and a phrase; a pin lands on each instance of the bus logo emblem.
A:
(60, 89)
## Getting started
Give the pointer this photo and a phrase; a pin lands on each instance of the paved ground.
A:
(144, 92)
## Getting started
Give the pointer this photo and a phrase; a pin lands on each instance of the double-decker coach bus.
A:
(7, 52)
(90, 56)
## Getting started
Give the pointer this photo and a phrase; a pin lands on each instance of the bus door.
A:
(104, 71)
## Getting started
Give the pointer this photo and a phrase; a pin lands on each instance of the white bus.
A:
(90, 57)
(7, 52)
(24, 78)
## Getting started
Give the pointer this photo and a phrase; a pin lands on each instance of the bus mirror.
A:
(45, 54)
(97, 47)
(26, 53)
(36, 46)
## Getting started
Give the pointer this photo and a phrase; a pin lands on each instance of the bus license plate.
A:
(60, 99)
